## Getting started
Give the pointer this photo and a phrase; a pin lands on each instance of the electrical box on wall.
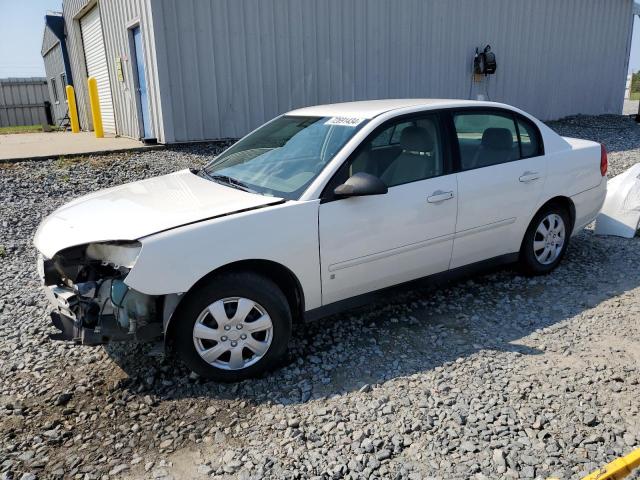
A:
(119, 73)
(484, 63)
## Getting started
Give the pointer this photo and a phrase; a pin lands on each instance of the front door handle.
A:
(527, 177)
(439, 196)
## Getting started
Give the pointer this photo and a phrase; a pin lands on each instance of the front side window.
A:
(284, 156)
(403, 152)
(486, 139)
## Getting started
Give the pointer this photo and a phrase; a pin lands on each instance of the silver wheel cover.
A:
(233, 333)
(549, 238)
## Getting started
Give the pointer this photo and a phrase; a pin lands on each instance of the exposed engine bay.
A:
(93, 304)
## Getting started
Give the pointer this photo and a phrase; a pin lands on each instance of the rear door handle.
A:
(439, 196)
(527, 177)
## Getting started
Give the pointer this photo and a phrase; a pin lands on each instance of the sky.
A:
(22, 23)
(21, 27)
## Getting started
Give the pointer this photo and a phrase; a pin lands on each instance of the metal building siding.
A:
(117, 18)
(49, 39)
(71, 10)
(54, 67)
(227, 66)
(22, 101)
(96, 61)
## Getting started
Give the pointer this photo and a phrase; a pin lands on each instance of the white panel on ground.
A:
(96, 60)
(620, 214)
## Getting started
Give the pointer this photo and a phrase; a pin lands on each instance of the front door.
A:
(502, 172)
(141, 88)
(368, 243)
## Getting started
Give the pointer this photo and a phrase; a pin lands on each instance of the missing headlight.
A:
(116, 254)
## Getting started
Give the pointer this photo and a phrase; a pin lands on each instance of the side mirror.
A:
(360, 185)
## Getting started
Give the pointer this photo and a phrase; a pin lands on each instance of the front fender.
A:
(171, 262)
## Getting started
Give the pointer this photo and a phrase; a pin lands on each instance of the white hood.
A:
(138, 209)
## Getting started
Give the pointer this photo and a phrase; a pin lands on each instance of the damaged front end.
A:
(92, 303)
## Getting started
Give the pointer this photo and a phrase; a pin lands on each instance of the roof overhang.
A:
(636, 8)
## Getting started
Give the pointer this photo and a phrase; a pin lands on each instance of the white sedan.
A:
(314, 212)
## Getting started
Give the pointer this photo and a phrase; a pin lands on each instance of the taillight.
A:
(604, 161)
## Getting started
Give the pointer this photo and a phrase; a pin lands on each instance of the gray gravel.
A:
(495, 376)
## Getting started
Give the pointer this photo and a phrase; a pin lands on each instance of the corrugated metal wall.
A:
(117, 18)
(227, 66)
(71, 10)
(54, 67)
(223, 67)
(22, 101)
(49, 39)
(95, 57)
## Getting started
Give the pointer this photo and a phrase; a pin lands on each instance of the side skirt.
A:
(429, 281)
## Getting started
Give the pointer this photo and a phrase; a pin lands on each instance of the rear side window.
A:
(530, 143)
(486, 139)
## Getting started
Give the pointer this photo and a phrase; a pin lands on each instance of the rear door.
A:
(368, 243)
(501, 173)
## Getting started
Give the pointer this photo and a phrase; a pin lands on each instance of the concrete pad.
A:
(630, 107)
(23, 146)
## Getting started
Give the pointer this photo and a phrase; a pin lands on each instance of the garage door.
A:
(96, 59)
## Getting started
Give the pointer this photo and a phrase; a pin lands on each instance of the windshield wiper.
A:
(230, 181)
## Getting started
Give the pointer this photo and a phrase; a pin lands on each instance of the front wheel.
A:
(236, 326)
(545, 241)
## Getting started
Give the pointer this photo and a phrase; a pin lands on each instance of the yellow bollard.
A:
(619, 468)
(73, 109)
(94, 100)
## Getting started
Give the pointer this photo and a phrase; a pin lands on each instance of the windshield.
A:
(284, 156)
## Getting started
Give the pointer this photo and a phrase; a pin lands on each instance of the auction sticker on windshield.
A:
(345, 121)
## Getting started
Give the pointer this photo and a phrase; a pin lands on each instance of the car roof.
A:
(372, 108)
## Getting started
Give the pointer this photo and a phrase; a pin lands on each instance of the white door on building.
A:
(96, 59)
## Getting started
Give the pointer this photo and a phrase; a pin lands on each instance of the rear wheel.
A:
(546, 240)
(234, 327)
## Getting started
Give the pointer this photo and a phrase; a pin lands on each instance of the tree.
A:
(635, 83)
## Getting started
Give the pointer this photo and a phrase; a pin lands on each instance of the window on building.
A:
(63, 83)
(54, 90)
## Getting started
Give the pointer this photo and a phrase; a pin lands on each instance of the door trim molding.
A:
(415, 246)
(383, 294)
(389, 253)
(484, 228)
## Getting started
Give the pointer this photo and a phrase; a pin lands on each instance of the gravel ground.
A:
(498, 376)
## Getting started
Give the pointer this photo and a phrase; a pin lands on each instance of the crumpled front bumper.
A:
(72, 330)
(72, 326)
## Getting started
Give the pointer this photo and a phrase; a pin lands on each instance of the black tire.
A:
(248, 285)
(529, 263)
